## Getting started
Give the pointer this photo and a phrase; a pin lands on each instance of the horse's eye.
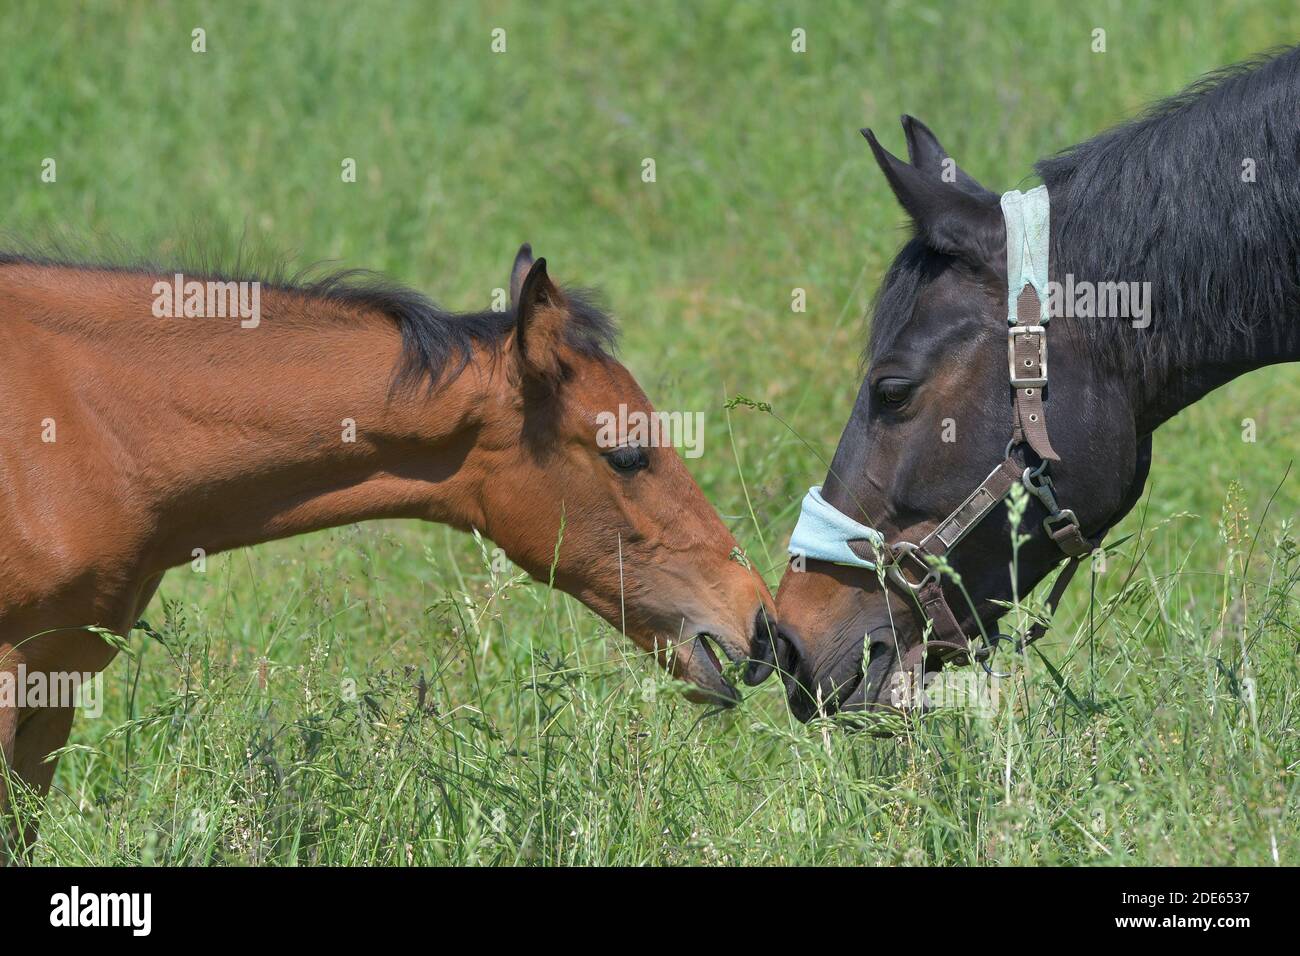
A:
(893, 392)
(628, 458)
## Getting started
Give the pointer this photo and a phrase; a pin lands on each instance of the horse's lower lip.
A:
(857, 696)
(880, 662)
(860, 690)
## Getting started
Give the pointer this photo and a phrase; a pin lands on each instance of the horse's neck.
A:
(1225, 335)
(1195, 209)
(230, 436)
(1168, 390)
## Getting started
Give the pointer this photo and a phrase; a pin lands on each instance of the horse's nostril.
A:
(796, 666)
(790, 652)
(762, 655)
(792, 640)
(796, 673)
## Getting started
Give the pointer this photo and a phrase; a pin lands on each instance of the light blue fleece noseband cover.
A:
(1028, 228)
(822, 532)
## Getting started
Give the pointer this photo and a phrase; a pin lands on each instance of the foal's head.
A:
(932, 419)
(611, 518)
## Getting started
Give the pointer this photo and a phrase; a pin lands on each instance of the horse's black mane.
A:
(436, 344)
(1161, 199)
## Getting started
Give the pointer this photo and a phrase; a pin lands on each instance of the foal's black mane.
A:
(1161, 199)
(436, 344)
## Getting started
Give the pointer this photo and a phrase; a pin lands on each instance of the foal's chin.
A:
(701, 661)
(704, 644)
(697, 662)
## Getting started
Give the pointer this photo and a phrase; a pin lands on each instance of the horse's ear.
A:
(523, 262)
(541, 314)
(928, 155)
(948, 219)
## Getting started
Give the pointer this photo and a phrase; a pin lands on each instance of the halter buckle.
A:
(1040, 342)
(1064, 516)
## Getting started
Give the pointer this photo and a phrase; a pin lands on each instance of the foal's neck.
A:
(318, 438)
(230, 436)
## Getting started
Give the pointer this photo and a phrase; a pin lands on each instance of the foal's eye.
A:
(628, 458)
(893, 392)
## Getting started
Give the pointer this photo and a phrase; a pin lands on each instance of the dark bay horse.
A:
(1189, 220)
(131, 442)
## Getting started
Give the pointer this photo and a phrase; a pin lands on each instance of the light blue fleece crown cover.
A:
(1028, 230)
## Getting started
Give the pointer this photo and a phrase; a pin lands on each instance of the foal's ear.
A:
(948, 219)
(928, 155)
(541, 314)
(519, 271)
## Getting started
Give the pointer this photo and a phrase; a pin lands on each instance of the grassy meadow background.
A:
(494, 721)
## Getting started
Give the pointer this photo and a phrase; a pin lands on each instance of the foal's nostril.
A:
(762, 654)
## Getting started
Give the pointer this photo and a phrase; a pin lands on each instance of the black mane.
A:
(1160, 199)
(436, 344)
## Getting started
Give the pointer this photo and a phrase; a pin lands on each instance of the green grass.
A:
(496, 722)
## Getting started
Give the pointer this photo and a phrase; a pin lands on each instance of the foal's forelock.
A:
(895, 303)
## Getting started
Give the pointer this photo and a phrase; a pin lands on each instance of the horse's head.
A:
(586, 491)
(932, 419)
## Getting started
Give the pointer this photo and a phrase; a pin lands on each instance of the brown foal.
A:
(128, 441)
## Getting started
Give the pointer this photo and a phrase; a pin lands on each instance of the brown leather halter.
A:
(910, 564)
(828, 534)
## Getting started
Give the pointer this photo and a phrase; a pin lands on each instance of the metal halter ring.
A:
(1041, 489)
(905, 549)
(985, 653)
